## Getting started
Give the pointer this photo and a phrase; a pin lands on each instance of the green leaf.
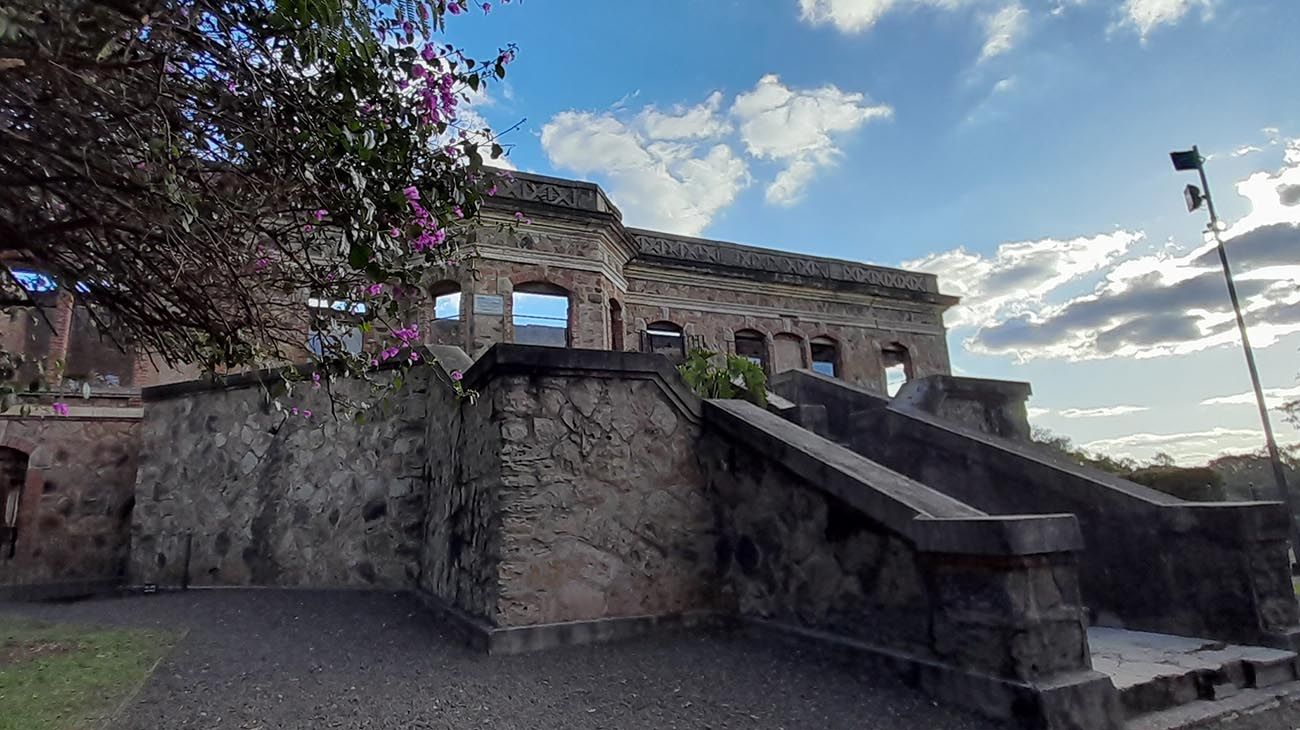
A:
(359, 255)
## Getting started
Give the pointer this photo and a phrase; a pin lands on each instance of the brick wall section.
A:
(74, 514)
(859, 347)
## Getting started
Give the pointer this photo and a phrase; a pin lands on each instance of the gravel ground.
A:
(258, 660)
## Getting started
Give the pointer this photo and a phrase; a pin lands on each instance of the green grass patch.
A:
(67, 677)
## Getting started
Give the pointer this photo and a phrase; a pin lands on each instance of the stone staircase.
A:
(1160, 677)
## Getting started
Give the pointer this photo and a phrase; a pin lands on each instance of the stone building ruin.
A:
(588, 495)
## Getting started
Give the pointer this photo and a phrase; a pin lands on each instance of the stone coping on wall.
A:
(448, 357)
(931, 520)
(950, 434)
(924, 393)
(503, 359)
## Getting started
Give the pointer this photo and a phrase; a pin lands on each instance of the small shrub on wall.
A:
(713, 375)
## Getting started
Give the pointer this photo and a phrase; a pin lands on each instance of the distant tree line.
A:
(1230, 477)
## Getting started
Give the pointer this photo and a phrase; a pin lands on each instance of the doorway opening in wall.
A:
(335, 326)
(750, 345)
(825, 356)
(615, 325)
(665, 338)
(13, 475)
(540, 314)
(445, 329)
(897, 362)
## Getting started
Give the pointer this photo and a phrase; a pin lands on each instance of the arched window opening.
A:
(335, 327)
(897, 362)
(665, 338)
(445, 329)
(750, 345)
(13, 475)
(787, 352)
(95, 357)
(615, 325)
(541, 314)
(825, 356)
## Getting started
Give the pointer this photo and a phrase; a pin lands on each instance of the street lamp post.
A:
(1192, 160)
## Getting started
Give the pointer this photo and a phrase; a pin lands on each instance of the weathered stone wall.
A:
(1152, 561)
(603, 507)
(996, 407)
(75, 507)
(461, 551)
(249, 495)
(797, 554)
(820, 542)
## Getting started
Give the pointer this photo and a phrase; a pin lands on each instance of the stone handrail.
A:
(819, 541)
(1152, 561)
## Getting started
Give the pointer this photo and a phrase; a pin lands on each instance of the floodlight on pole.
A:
(1185, 161)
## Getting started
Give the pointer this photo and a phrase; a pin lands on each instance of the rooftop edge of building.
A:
(694, 252)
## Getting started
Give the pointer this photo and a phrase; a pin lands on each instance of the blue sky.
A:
(1016, 148)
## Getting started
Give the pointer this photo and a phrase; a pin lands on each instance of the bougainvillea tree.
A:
(196, 172)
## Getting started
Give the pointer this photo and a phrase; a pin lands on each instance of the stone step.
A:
(1156, 672)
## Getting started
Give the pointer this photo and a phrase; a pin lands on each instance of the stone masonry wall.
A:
(459, 558)
(262, 497)
(797, 556)
(603, 507)
(74, 512)
(793, 554)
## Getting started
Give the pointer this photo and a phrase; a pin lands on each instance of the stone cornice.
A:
(575, 201)
(555, 192)
(750, 262)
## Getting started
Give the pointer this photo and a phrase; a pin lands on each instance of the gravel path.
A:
(264, 659)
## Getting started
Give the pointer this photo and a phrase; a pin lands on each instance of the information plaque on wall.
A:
(489, 304)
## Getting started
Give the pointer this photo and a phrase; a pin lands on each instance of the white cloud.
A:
(697, 122)
(1193, 447)
(674, 186)
(1171, 302)
(1004, 85)
(1273, 398)
(849, 16)
(1244, 150)
(799, 128)
(1034, 412)
(1103, 412)
(1017, 276)
(855, 16)
(1274, 197)
(1003, 29)
(1147, 15)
